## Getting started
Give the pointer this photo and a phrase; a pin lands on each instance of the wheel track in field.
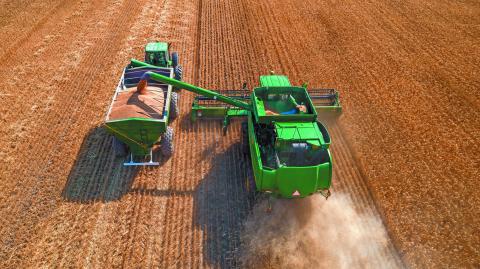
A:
(175, 219)
(218, 216)
(132, 202)
(18, 38)
(143, 182)
(133, 244)
(176, 240)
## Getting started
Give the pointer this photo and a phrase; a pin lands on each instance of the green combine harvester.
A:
(139, 122)
(289, 147)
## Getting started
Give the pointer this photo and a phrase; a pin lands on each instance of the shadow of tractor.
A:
(96, 174)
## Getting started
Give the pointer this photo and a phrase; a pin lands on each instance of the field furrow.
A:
(405, 149)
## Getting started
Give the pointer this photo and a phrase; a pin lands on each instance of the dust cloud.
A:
(313, 233)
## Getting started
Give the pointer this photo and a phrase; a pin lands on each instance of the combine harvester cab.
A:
(288, 146)
(139, 122)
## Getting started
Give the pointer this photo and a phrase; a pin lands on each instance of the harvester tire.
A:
(174, 110)
(119, 148)
(245, 146)
(174, 59)
(166, 144)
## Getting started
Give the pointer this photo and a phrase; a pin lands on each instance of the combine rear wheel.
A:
(166, 143)
(174, 110)
(119, 148)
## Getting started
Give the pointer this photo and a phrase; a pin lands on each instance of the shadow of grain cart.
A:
(96, 175)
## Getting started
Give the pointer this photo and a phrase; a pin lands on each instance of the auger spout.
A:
(137, 63)
(198, 90)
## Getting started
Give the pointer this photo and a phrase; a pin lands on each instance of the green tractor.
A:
(157, 54)
(288, 146)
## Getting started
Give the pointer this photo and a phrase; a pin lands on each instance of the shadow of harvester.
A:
(221, 200)
(222, 205)
(96, 174)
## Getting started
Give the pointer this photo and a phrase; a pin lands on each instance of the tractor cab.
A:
(157, 53)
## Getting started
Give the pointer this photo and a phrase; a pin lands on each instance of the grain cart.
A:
(139, 121)
(289, 148)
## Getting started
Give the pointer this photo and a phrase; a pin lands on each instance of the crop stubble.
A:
(60, 73)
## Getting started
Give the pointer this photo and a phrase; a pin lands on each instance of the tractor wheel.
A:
(174, 59)
(174, 110)
(119, 148)
(245, 145)
(178, 72)
(166, 144)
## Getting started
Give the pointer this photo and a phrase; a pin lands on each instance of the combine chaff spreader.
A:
(289, 147)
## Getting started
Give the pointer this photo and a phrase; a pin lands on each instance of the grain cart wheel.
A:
(174, 110)
(174, 59)
(119, 148)
(166, 144)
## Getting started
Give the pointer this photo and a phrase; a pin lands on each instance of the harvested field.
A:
(406, 149)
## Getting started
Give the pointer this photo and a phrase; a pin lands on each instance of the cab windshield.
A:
(157, 58)
(301, 154)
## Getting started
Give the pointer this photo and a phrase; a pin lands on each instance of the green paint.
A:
(156, 47)
(274, 81)
(138, 133)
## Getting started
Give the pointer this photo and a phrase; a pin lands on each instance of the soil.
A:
(132, 104)
(406, 149)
